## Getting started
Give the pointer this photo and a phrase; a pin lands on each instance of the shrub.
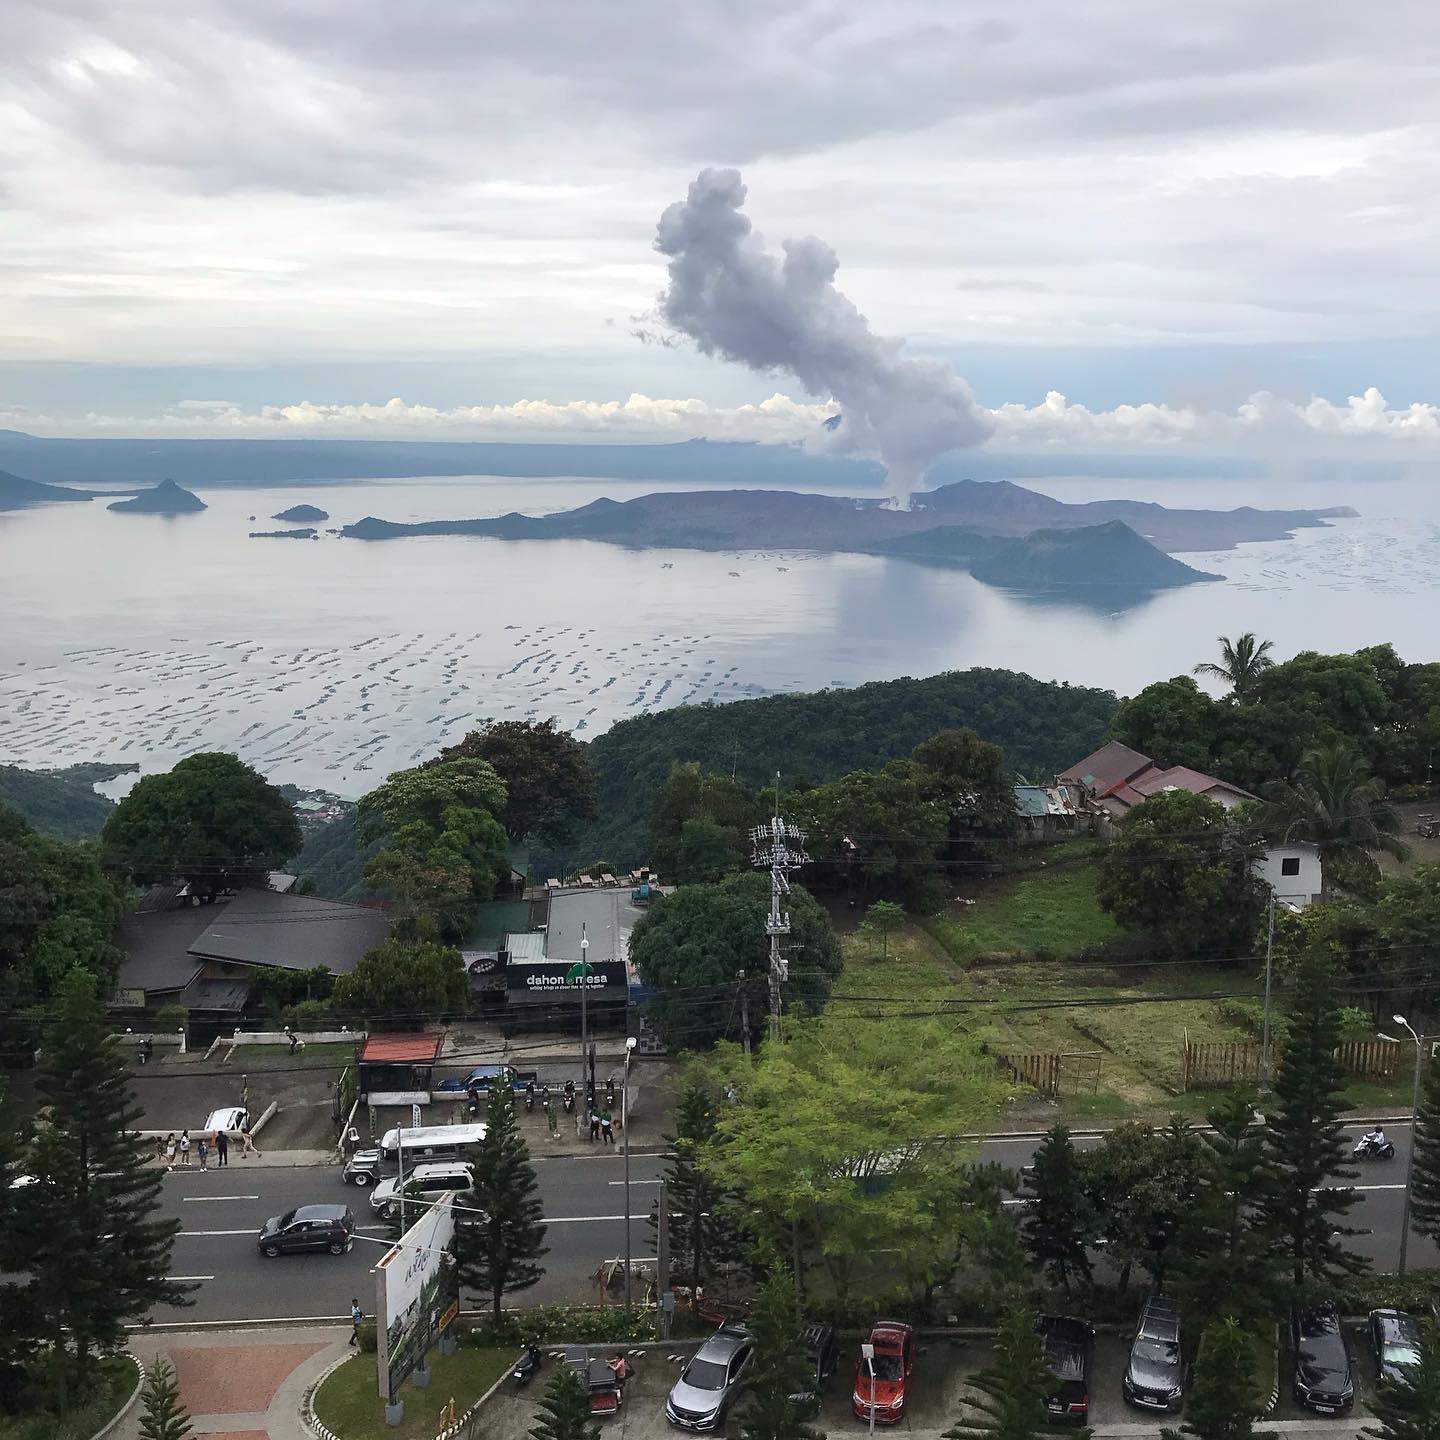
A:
(365, 1338)
(170, 1018)
(550, 1324)
(309, 1015)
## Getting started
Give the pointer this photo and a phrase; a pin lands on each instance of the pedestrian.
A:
(246, 1143)
(203, 1151)
(170, 1151)
(185, 1147)
(607, 1128)
(594, 1124)
(222, 1148)
(356, 1316)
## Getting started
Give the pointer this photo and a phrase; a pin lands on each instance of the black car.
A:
(1069, 1345)
(1155, 1375)
(1323, 1382)
(311, 1227)
(1395, 1339)
(822, 1358)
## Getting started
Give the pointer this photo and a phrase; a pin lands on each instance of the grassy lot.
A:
(348, 1403)
(275, 1057)
(119, 1377)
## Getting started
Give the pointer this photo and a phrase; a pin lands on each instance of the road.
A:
(583, 1198)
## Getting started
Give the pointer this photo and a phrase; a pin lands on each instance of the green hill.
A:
(61, 803)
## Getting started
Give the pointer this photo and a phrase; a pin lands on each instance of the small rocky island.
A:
(167, 498)
(309, 533)
(303, 515)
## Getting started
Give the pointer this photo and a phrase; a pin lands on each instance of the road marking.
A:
(633, 1182)
(578, 1219)
(191, 1234)
(191, 1277)
(1375, 1187)
(200, 1199)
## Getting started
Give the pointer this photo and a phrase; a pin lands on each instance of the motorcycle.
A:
(609, 1092)
(530, 1095)
(1368, 1149)
(568, 1097)
(527, 1367)
(544, 1096)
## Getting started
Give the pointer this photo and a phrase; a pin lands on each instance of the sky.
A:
(1121, 224)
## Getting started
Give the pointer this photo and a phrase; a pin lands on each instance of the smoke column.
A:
(738, 300)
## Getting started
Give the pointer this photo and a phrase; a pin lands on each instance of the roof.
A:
(155, 946)
(1108, 765)
(207, 992)
(605, 914)
(526, 946)
(1034, 802)
(292, 932)
(1182, 777)
(493, 919)
(420, 1049)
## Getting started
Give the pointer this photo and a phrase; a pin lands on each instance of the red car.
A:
(894, 1343)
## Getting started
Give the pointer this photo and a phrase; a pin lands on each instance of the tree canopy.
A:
(1242, 662)
(403, 984)
(211, 820)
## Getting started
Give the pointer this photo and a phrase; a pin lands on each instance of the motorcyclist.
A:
(1374, 1139)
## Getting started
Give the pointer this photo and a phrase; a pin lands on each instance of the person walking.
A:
(222, 1149)
(202, 1149)
(247, 1144)
(594, 1124)
(607, 1128)
(185, 1148)
(356, 1316)
(170, 1151)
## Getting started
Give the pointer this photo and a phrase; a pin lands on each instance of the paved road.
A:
(221, 1212)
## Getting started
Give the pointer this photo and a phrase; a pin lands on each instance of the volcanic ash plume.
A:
(736, 299)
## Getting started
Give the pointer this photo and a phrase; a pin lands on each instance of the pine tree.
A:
(165, 1418)
(698, 1224)
(1425, 1182)
(1221, 1403)
(1011, 1393)
(564, 1410)
(1306, 1147)
(20, 1333)
(779, 1370)
(1060, 1219)
(97, 1254)
(1409, 1408)
(499, 1233)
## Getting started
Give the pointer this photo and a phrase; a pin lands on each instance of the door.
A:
(295, 1236)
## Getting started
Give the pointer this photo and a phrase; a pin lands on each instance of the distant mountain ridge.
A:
(18, 493)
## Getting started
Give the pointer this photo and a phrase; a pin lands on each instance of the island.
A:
(309, 533)
(18, 493)
(302, 515)
(167, 498)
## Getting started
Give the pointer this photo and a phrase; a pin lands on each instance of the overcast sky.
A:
(265, 217)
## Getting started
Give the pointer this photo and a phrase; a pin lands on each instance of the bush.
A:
(365, 1339)
(309, 1015)
(170, 1018)
(550, 1324)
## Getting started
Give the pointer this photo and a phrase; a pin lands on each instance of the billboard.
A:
(416, 1291)
(530, 981)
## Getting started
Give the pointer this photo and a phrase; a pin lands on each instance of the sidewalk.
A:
(241, 1384)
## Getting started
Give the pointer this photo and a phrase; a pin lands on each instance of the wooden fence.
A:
(1212, 1066)
(1055, 1072)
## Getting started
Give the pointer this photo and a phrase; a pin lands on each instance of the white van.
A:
(424, 1144)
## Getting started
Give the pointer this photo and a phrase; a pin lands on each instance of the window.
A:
(1290, 865)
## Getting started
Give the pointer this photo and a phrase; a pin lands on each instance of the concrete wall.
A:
(1298, 889)
(306, 1037)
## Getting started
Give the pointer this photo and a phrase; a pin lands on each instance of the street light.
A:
(625, 1135)
(1405, 1025)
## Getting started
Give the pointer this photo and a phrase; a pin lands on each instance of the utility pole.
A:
(662, 1257)
(744, 1011)
(778, 848)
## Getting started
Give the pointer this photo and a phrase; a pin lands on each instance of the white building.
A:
(1292, 871)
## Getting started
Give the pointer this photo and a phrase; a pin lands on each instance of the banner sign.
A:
(559, 979)
(416, 1288)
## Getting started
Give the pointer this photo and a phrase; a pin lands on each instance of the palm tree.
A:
(1241, 664)
(1336, 804)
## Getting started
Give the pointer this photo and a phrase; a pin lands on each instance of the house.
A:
(204, 956)
(1116, 778)
(1048, 812)
(1293, 871)
(397, 1069)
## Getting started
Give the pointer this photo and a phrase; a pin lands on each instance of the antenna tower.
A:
(779, 848)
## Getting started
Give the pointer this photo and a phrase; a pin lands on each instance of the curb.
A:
(128, 1406)
(308, 1417)
(470, 1414)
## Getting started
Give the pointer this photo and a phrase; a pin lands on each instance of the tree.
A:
(699, 1226)
(1010, 1396)
(1305, 1143)
(778, 1370)
(396, 981)
(968, 778)
(1179, 870)
(549, 785)
(1242, 662)
(693, 944)
(212, 821)
(1408, 1408)
(1222, 1401)
(564, 1410)
(700, 825)
(1335, 804)
(1174, 720)
(96, 1253)
(20, 1335)
(500, 1238)
(1060, 1221)
(882, 919)
(1425, 1179)
(165, 1418)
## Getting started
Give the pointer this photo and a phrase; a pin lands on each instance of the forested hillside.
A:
(61, 803)
(1041, 727)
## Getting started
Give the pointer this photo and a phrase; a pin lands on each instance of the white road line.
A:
(200, 1199)
(191, 1277)
(1377, 1187)
(633, 1182)
(578, 1219)
(192, 1234)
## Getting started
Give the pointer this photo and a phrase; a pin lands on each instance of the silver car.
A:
(709, 1385)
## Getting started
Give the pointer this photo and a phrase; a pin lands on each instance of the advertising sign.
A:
(528, 982)
(415, 1290)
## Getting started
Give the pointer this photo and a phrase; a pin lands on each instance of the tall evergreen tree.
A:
(1011, 1396)
(699, 1226)
(1409, 1408)
(1221, 1403)
(1224, 1256)
(19, 1334)
(97, 1254)
(779, 1369)
(564, 1410)
(1425, 1181)
(1306, 1146)
(1060, 1221)
(164, 1418)
(499, 1235)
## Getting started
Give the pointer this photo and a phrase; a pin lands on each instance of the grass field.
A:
(118, 1380)
(348, 1403)
(278, 1057)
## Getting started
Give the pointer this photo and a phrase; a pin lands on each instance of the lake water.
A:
(331, 662)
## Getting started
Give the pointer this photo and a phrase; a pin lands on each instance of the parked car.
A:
(1069, 1346)
(712, 1381)
(1395, 1339)
(822, 1360)
(1323, 1382)
(232, 1120)
(886, 1391)
(1155, 1375)
(480, 1079)
(311, 1227)
(423, 1183)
